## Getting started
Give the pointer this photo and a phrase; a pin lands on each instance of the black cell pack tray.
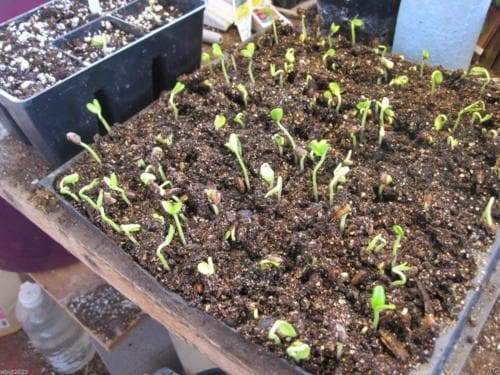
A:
(124, 82)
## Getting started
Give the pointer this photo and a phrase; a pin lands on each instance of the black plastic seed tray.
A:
(125, 81)
(453, 345)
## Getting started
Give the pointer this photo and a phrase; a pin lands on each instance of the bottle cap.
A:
(30, 295)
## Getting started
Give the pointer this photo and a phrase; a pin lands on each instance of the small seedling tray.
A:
(454, 343)
(124, 82)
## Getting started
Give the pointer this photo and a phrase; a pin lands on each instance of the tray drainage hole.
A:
(106, 105)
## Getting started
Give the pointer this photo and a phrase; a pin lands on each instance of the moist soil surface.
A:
(149, 17)
(324, 284)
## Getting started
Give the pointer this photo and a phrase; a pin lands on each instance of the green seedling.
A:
(217, 52)
(378, 304)
(486, 216)
(387, 65)
(425, 56)
(66, 182)
(331, 32)
(399, 81)
(436, 80)
(303, 34)
(381, 49)
(244, 93)
(281, 329)
(280, 73)
(173, 208)
(474, 107)
(178, 88)
(206, 268)
(164, 244)
(279, 141)
(299, 351)
(399, 233)
(385, 114)
(219, 122)
(166, 141)
(339, 177)
(214, 197)
(328, 97)
(239, 119)
(328, 55)
(95, 107)
(400, 270)
(289, 60)
(248, 53)
(478, 71)
(234, 146)
(318, 149)
(440, 121)
(100, 41)
(364, 110)
(205, 58)
(267, 174)
(384, 181)
(277, 116)
(452, 142)
(347, 162)
(276, 190)
(77, 140)
(480, 118)
(335, 89)
(230, 234)
(376, 244)
(355, 23)
(129, 230)
(107, 220)
(270, 261)
(113, 184)
(87, 188)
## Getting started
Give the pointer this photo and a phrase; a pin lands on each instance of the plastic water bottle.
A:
(64, 344)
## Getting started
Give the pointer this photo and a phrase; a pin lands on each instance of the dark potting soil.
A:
(150, 15)
(88, 51)
(324, 284)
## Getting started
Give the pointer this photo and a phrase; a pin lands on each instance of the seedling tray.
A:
(452, 346)
(124, 82)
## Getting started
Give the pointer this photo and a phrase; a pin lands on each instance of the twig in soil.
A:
(173, 208)
(164, 244)
(318, 149)
(205, 58)
(248, 53)
(95, 108)
(399, 270)
(339, 177)
(217, 52)
(234, 146)
(486, 216)
(83, 193)
(77, 140)
(244, 93)
(178, 88)
(281, 329)
(378, 304)
(479, 71)
(270, 261)
(239, 119)
(399, 81)
(280, 73)
(474, 107)
(428, 310)
(299, 351)
(129, 229)
(206, 268)
(355, 23)
(66, 181)
(399, 233)
(436, 80)
(219, 122)
(113, 184)
(385, 180)
(440, 121)
(331, 32)
(377, 243)
(425, 56)
(214, 197)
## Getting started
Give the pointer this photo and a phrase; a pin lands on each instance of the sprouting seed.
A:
(206, 268)
(303, 34)
(267, 174)
(279, 141)
(147, 178)
(277, 73)
(77, 140)
(166, 141)
(230, 234)
(276, 190)
(214, 197)
(355, 23)
(244, 93)
(399, 233)
(95, 107)
(164, 244)
(275, 32)
(479, 71)
(173, 208)
(205, 58)
(436, 80)
(387, 65)
(178, 88)
(377, 243)
(219, 121)
(331, 32)
(84, 190)
(384, 181)
(452, 142)
(281, 329)
(335, 89)
(474, 107)
(318, 149)
(378, 304)
(248, 53)
(66, 182)
(129, 230)
(113, 184)
(364, 109)
(425, 56)
(239, 119)
(217, 52)
(270, 261)
(386, 114)
(276, 116)
(107, 220)
(339, 177)
(289, 60)
(399, 81)
(343, 212)
(381, 49)
(299, 351)
(486, 216)
(480, 118)
(100, 41)
(400, 270)
(440, 121)
(234, 146)
(328, 55)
